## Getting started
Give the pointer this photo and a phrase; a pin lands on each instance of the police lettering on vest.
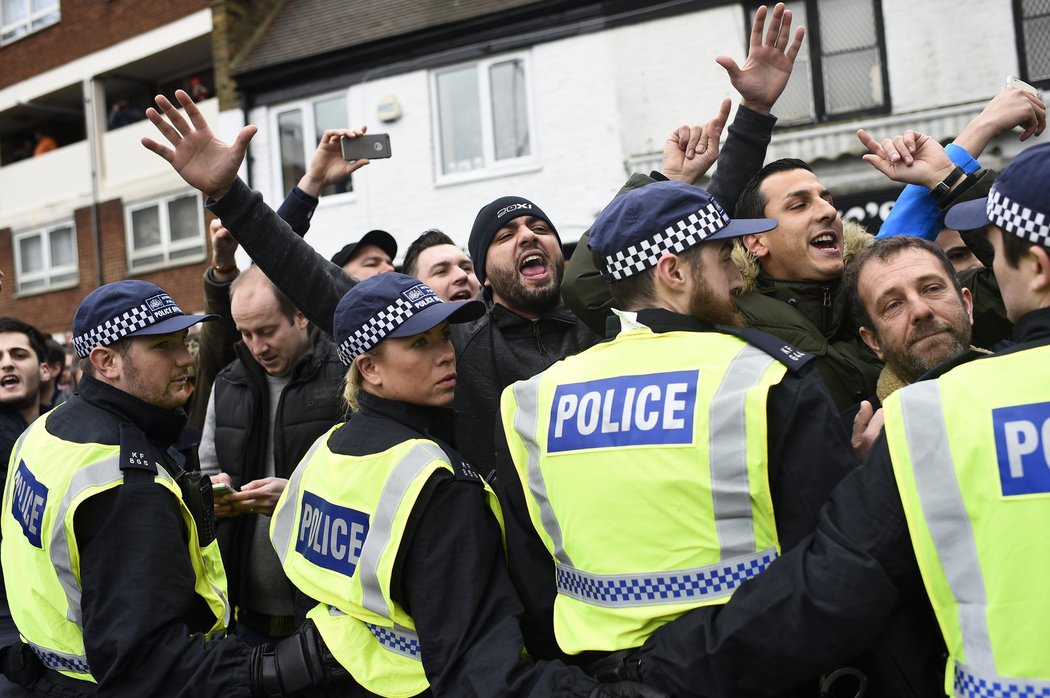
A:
(331, 536)
(1022, 445)
(29, 497)
(655, 409)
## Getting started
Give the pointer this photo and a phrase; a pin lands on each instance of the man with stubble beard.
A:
(518, 260)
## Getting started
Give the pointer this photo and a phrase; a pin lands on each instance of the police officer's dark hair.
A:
(429, 238)
(751, 203)
(884, 250)
(637, 290)
(288, 309)
(1015, 247)
(36, 338)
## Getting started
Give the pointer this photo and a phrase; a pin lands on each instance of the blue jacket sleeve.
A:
(916, 212)
(298, 209)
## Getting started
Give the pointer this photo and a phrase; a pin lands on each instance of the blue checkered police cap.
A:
(636, 229)
(392, 305)
(127, 309)
(1018, 202)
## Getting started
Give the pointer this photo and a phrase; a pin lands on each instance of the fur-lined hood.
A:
(854, 239)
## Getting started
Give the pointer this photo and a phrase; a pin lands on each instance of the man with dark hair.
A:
(731, 424)
(266, 409)
(434, 259)
(23, 369)
(51, 393)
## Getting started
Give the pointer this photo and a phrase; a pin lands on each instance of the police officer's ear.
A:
(756, 245)
(370, 371)
(1040, 281)
(107, 362)
(671, 272)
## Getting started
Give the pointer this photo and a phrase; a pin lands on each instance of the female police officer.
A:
(393, 533)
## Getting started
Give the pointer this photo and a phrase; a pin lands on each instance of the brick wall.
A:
(87, 26)
(53, 312)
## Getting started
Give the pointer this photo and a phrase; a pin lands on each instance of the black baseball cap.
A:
(380, 238)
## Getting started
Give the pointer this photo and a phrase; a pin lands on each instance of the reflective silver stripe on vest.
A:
(730, 488)
(60, 661)
(656, 588)
(98, 474)
(945, 513)
(970, 685)
(380, 528)
(526, 419)
(397, 640)
(284, 520)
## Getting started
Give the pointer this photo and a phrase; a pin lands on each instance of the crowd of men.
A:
(737, 445)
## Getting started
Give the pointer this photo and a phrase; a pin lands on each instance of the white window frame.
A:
(491, 165)
(166, 246)
(49, 271)
(33, 22)
(306, 108)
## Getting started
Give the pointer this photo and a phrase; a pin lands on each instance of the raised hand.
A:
(691, 150)
(328, 166)
(912, 158)
(1011, 108)
(205, 162)
(770, 60)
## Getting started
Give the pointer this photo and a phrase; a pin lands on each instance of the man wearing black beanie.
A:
(518, 260)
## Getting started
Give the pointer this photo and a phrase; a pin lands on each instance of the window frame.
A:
(1022, 48)
(814, 46)
(166, 246)
(307, 112)
(492, 166)
(49, 270)
(29, 22)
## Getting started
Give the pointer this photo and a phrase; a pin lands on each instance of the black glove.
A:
(297, 663)
(20, 665)
(626, 689)
(624, 665)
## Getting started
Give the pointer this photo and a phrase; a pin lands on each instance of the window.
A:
(166, 232)
(296, 150)
(1032, 18)
(483, 115)
(21, 17)
(841, 69)
(46, 258)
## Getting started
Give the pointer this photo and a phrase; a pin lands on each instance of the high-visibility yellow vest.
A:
(337, 529)
(48, 479)
(644, 466)
(971, 455)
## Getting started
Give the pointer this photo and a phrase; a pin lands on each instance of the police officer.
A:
(393, 533)
(658, 472)
(110, 560)
(952, 503)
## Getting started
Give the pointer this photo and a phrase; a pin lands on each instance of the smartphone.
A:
(221, 489)
(371, 146)
(1014, 81)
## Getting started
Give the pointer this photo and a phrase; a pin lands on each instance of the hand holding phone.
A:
(372, 146)
(221, 489)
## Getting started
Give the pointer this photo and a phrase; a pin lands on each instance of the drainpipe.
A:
(91, 128)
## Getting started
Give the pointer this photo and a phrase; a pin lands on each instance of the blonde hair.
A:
(354, 380)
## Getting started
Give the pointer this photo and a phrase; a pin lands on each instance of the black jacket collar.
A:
(661, 320)
(159, 424)
(434, 422)
(1033, 327)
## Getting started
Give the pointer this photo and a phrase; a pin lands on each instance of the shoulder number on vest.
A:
(1022, 447)
(655, 408)
(29, 497)
(331, 536)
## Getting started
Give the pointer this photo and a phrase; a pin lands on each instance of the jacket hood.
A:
(854, 239)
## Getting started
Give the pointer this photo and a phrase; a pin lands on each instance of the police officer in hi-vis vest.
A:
(658, 472)
(394, 535)
(113, 574)
(953, 503)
